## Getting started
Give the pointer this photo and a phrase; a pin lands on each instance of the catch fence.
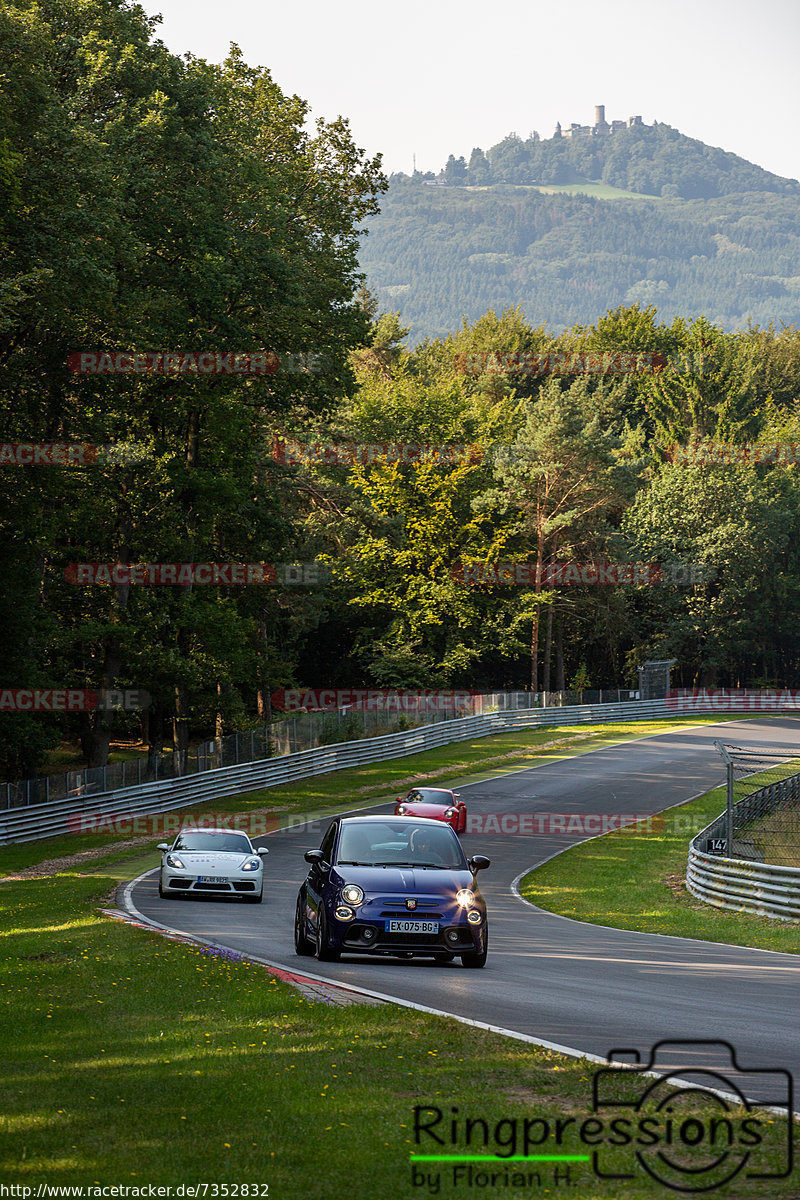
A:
(748, 858)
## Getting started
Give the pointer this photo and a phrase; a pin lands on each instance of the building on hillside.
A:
(600, 128)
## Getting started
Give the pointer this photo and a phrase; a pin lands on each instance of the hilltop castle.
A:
(600, 128)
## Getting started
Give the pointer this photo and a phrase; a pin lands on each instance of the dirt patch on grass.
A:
(54, 866)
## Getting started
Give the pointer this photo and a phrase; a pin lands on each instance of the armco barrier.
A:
(739, 884)
(47, 820)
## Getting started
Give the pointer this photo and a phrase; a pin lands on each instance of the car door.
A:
(318, 876)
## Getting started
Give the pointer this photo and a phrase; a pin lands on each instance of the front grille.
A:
(180, 883)
(410, 913)
(409, 939)
(213, 887)
(245, 886)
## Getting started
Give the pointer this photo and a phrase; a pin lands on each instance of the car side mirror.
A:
(163, 846)
(478, 863)
(316, 857)
(262, 850)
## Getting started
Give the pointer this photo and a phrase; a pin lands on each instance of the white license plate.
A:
(413, 926)
(212, 879)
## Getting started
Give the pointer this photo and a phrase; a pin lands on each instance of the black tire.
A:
(442, 960)
(162, 893)
(255, 899)
(477, 958)
(302, 945)
(322, 951)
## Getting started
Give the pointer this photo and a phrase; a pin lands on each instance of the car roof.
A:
(376, 819)
(193, 829)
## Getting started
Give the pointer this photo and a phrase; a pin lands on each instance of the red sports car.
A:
(437, 803)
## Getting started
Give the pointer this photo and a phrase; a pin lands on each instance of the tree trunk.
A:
(561, 685)
(98, 734)
(548, 647)
(218, 724)
(155, 738)
(180, 732)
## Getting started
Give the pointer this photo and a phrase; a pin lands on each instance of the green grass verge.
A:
(635, 880)
(133, 1060)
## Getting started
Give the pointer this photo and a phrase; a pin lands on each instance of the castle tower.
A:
(601, 125)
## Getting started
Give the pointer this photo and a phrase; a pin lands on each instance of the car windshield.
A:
(223, 843)
(399, 843)
(428, 796)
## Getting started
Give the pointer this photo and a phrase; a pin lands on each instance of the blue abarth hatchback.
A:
(391, 885)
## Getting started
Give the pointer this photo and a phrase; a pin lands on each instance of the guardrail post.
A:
(729, 812)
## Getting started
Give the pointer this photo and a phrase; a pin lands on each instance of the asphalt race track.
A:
(585, 987)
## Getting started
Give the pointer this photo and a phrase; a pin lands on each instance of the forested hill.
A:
(438, 254)
(654, 160)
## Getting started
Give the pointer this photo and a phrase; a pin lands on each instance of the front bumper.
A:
(186, 884)
(368, 932)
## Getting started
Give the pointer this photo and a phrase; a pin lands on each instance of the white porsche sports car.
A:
(212, 862)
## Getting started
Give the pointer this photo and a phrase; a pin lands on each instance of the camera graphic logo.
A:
(691, 1127)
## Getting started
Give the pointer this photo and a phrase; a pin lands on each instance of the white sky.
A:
(437, 77)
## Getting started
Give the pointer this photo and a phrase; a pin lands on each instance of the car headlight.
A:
(449, 812)
(401, 810)
(173, 861)
(252, 864)
(352, 893)
(474, 916)
(465, 897)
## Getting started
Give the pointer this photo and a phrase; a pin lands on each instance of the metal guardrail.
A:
(740, 884)
(65, 816)
(288, 735)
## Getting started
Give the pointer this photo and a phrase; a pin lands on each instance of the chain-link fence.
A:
(288, 735)
(763, 804)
